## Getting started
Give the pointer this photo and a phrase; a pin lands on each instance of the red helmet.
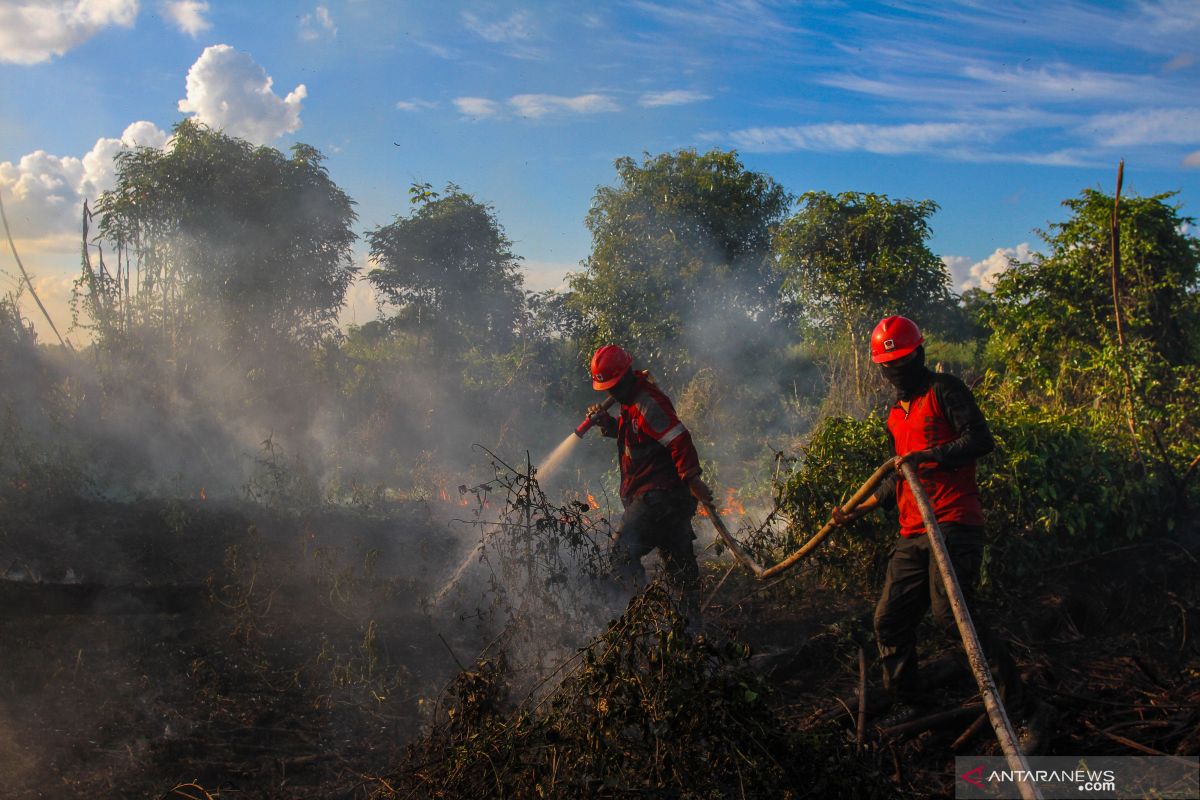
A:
(609, 365)
(894, 337)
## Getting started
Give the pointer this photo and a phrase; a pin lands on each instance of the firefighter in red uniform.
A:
(935, 425)
(660, 477)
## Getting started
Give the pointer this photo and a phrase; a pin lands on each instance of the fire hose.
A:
(962, 616)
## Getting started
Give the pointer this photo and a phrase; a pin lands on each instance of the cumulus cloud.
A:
(676, 97)
(476, 106)
(188, 16)
(44, 193)
(836, 137)
(983, 274)
(540, 105)
(228, 90)
(416, 104)
(1192, 159)
(1147, 126)
(32, 31)
(317, 24)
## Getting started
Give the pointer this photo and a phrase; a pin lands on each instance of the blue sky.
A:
(996, 111)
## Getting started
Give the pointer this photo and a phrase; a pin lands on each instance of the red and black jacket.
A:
(945, 419)
(655, 449)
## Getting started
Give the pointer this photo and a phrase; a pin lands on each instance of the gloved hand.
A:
(597, 409)
(914, 457)
(700, 490)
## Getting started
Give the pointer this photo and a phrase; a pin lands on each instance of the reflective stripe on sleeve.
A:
(670, 435)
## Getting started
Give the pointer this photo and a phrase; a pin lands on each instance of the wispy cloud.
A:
(675, 97)
(536, 106)
(1146, 126)
(724, 19)
(838, 137)
(416, 104)
(541, 105)
(516, 32)
(188, 16)
(1192, 160)
(317, 25)
(479, 107)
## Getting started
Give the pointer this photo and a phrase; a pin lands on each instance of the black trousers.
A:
(914, 585)
(662, 520)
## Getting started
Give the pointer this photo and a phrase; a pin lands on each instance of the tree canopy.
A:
(1056, 312)
(213, 232)
(850, 259)
(679, 234)
(449, 269)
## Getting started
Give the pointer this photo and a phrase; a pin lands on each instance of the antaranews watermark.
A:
(1080, 777)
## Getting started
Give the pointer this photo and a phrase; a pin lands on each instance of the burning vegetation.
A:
(248, 555)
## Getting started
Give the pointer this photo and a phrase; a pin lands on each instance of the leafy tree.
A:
(847, 260)
(450, 270)
(214, 233)
(681, 236)
(1053, 315)
(1054, 330)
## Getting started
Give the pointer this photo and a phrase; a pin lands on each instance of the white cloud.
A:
(983, 274)
(1192, 159)
(32, 31)
(188, 16)
(317, 24)
(542, 275)
(1147, 126)
(676, 97)
(44, 193)
(228, 90)
(516, 28)
(516, 32)
(476, 106)
(416, 104)
(540, 105)
(837, 137)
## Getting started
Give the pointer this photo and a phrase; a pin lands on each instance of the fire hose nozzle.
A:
(590, 420)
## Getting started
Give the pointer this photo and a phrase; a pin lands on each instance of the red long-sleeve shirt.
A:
(655, 448)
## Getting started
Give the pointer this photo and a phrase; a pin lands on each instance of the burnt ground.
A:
(253, 653)
(1108, 646)
(263, 654)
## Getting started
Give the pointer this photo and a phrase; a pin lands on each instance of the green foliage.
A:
(680, 236)
(841, 453)
(216, 236)
(450, 270)
(1054, 327)
(1054, 314)
(848, 260)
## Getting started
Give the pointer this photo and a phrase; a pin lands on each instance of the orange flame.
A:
(592, 501)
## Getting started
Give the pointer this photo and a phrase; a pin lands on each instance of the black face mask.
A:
(910, 378)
